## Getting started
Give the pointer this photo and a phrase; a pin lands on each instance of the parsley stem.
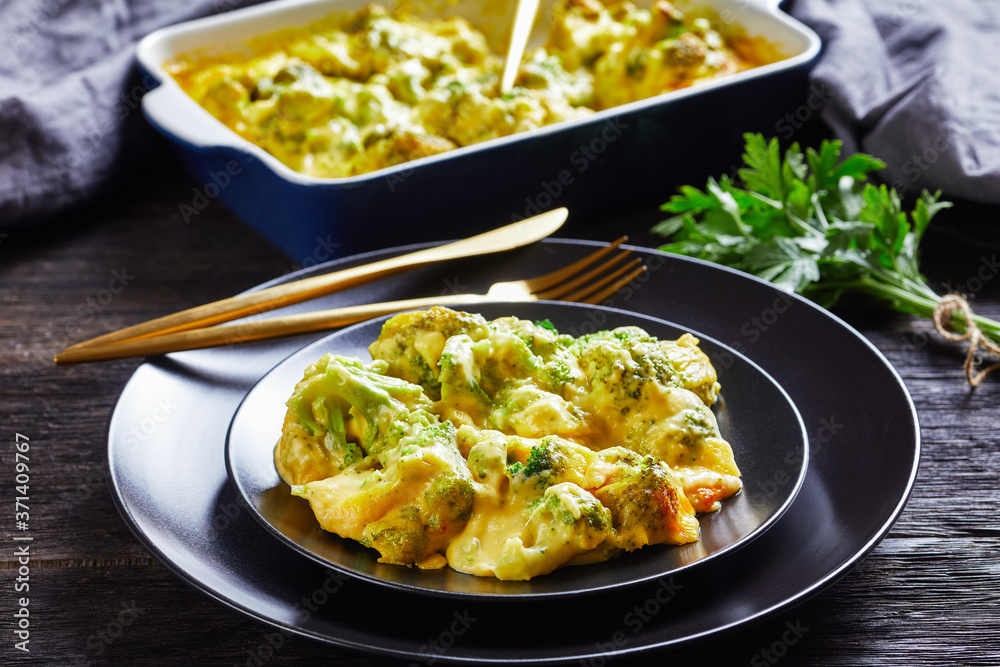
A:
(918, 303)
(802, 226)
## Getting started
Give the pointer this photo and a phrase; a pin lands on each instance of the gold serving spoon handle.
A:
(524, 20)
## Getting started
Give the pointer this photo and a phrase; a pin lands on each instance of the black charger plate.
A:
(168, 476)
(755, 416)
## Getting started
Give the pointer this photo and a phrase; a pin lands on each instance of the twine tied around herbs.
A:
(947, 306)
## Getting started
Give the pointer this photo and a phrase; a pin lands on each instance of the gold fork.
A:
(572, 283)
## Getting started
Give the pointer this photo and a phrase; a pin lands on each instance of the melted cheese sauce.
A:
(357, 92)
(505, 449)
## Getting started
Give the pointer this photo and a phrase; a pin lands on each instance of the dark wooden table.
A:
(927, 595)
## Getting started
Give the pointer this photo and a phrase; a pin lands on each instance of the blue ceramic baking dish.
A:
(606, 161)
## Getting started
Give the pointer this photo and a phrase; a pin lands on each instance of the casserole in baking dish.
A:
(593, 161)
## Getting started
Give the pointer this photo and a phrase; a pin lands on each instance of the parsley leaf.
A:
(810, 224)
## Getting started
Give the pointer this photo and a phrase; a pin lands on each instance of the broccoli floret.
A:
(546, 324)
(341, 412)
(352, 454)
(459, 381)
(339, 384)
(411, 343)
(448, 499)
(539, 461)
(645, 501)
(556, 373)
(400, 539)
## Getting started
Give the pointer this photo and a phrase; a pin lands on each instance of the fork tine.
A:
(584, 292)
(618, 284)
(603, 274)
(549, 280)
(560, 290)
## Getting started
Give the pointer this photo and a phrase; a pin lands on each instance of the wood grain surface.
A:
(928, 595)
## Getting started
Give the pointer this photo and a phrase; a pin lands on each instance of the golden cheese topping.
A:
(506, 449)
(357, 92)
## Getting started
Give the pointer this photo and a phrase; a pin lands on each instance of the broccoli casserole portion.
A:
(506, 449)
(357, 92)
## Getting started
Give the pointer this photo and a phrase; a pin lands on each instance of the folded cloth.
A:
(69, 96)
(915, 83)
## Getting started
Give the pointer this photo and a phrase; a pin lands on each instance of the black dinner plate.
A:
(167, 473)
(755, 416)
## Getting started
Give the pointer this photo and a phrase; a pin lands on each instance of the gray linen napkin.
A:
(69, 96)
(915, 83)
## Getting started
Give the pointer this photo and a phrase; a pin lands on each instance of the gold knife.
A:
(511, 236)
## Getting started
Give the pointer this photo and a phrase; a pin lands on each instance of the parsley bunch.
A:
(810, 224)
